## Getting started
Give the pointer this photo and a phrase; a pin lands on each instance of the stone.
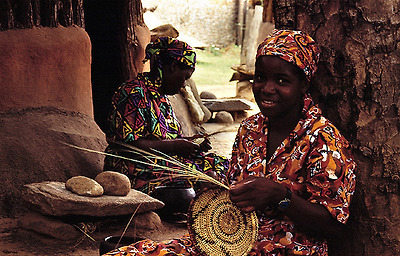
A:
(193, 88)
(52, 198)
(224, 117)
(163, 30)
(84, 186)
(207, 95)
(147, 220)
(244, 90)
(114, 183)
(195, 109)
(48, 226)
(230, 105)
(184, 116)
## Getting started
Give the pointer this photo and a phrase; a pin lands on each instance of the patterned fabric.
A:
(293, 46)
(314, 161)
(172, 48)
(140, 111)
(182, 246)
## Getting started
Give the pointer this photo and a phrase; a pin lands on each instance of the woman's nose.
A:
(269, 87)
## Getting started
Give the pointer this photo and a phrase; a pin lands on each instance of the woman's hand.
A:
(256, 193)
(204, 185)
(183, 147)
(205, 145)
(202, 141)
(180, 146)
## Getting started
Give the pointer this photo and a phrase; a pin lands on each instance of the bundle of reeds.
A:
(179, 169)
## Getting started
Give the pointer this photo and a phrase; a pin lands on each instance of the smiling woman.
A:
(289, 162)
(277, 88)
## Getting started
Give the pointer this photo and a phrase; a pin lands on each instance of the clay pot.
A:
(176, 200)
(109, 243)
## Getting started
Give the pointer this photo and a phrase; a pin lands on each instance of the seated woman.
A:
(142, 116)
(289, 163)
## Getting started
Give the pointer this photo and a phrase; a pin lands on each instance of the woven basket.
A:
(218, 227)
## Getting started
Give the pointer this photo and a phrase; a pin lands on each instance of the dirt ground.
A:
(14, 241)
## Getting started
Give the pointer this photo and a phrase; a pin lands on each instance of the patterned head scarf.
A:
(295, 47)
(173, 48)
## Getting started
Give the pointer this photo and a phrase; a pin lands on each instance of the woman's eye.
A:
(258, 78)
(282, 81)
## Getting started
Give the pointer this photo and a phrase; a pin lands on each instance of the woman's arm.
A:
(313, 218)
(178, 146)
(257, 193)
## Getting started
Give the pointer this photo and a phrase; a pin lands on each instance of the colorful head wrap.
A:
(170, 47)
(295, 47)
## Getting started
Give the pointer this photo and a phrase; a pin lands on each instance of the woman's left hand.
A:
(256, 193)
(205, 145)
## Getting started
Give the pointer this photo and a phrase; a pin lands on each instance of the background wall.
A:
(211, 22)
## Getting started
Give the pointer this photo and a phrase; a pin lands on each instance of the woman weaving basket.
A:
(289, 164)
(142, 116)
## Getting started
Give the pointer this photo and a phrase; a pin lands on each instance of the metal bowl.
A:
(109, 243)
(176, 200)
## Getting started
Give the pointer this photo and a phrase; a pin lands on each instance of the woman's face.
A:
(278, 88)
(174, 79)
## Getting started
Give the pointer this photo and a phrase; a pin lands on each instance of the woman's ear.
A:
(173, 66)
(305, 86)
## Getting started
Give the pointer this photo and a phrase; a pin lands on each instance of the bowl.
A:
(176, 202)
(109, 243)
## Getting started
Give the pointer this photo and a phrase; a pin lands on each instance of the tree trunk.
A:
(357, 86)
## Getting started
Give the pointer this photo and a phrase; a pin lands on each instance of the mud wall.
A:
(211, 22)
(46, 100)
(46, 67)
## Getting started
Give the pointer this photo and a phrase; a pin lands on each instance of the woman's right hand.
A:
(183, 147)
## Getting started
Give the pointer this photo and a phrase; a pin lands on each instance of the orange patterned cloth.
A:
(314, 161)
(181, 246)
(292, 46)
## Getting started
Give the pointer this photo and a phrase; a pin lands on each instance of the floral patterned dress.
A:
(314, 161)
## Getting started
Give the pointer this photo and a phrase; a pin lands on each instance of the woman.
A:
(142, 116)
(289, 163)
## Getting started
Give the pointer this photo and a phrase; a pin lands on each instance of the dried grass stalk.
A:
(181, 171)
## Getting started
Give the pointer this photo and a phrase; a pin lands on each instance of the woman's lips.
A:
(268, 103)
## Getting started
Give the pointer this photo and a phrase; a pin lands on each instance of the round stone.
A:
(207, 95)
(84, 186)
(224, 117)
(114, 183)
